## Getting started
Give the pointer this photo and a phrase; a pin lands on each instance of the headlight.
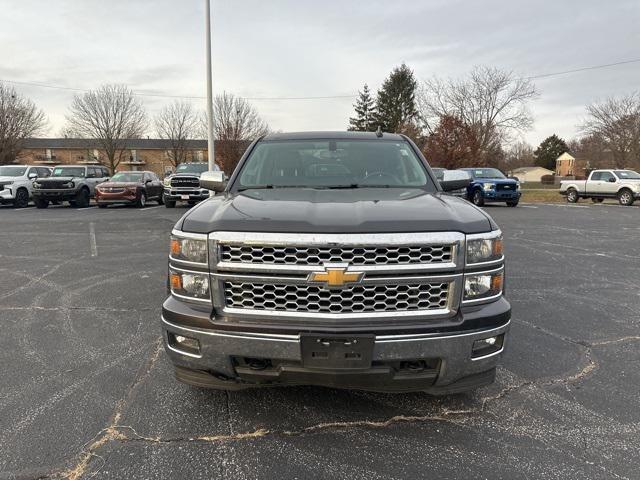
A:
(166, 182)
(69, 185)
(189, 284)
(188, 247)
(517, 185)
(488, 186)
(37, 185)
(486, 247)
(482, 286)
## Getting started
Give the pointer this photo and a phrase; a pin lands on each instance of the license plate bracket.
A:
(336, 352)
(184, 197)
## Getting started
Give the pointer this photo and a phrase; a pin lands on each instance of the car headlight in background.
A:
(483, 285)
(166, 182)
(68, 185)
(191, 285)
(188, 247)
(488, 186)
(37, 185)
(484, 247)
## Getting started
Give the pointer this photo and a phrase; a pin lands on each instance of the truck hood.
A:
(307, 210)
(55, 179)
(497, 181)
(10, 179)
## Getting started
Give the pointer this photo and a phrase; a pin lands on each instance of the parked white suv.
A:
(16, 183)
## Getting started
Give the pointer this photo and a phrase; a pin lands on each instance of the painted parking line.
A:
(92, 239)
(150, 208)
(86, 208)
(528, 206)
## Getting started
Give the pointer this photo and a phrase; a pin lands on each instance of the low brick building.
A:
(141, 153)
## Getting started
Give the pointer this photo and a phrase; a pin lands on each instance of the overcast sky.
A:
(318, 48)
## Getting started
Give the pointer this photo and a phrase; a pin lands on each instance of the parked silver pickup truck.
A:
(621, 184)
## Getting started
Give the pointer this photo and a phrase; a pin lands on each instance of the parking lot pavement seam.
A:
(112, 431)
(77, 309)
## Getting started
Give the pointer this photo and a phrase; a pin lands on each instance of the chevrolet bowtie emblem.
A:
(335, 276)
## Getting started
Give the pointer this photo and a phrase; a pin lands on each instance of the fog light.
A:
(487, 346)
(188, 345)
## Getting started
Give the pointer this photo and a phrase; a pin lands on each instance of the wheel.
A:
(597, 200)
(625, 197)
(102, 205)
(513, 203)
(142, 200)
(22, 198)
(477, 198)
(82, 198)
(572, 195)
(161, 199)
(41, 203)
(170, 203)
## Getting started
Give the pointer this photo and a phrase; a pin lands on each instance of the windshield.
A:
(193, 168)
(627, 174)
(68, 172)
(486, 173)
(127, 177)
(12, 171)
(333, 164)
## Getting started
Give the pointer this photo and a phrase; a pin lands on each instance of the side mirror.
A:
(33, 176)
(148, 180)
(214, 181)
(612, 180)
(454, 180)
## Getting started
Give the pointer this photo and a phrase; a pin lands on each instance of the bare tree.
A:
(111, 115)
(519, 154)
(616, 121)
(177, 123)
(19, 119)
(236, 123)
(491, 102)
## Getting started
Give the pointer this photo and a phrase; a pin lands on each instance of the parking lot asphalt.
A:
(87, 391)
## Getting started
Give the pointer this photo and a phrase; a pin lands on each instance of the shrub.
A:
(547, 179)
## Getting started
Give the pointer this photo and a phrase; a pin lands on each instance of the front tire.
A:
(625, 197)
(513, 203)
(41, 203)
(477, 198)
(572, 195)
(82, 198)
(22, 198)
(142, 200)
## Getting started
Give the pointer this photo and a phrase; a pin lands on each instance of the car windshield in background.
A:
(627, 174)
(12, 171)
(127, 177)
(333, 164)
(68, 172)
(192, 168)
(486, 173)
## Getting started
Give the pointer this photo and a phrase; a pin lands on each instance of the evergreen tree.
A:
(365, 108)
(396, 103)
(549, 150)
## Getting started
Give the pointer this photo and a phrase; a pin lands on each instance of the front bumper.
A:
(116, 198)
(55, 194)
(187, 195)
(501, 196)
(7, 196)
(222, 359)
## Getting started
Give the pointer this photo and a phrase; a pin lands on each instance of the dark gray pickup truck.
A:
(335, 259)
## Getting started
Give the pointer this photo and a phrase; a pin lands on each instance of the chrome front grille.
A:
(353, 299)
(189, 182)
(262, 275)
(364, 255)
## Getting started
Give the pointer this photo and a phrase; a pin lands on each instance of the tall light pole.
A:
(210, 139)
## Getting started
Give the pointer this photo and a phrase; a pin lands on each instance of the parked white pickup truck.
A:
(621, 184)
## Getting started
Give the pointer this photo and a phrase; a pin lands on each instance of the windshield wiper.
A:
(359, 185)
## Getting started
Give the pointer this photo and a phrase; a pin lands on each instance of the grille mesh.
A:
(354, 299)
(192, 182)
(353, 255)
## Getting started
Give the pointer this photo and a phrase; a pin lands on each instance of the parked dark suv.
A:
(335, 258)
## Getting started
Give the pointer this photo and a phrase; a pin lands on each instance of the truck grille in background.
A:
(190, 182)
(354, 299)
(320, 255)
(53, 185)
(508, 187)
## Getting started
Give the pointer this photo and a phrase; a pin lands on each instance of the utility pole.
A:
(210, 139)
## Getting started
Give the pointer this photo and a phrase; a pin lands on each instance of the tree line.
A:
(112, 115)
(479, 120)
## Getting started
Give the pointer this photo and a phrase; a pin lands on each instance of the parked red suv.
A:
(132, 188)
